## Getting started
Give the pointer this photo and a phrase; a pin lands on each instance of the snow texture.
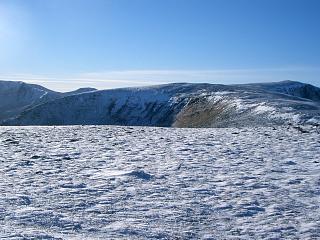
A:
(107, 182)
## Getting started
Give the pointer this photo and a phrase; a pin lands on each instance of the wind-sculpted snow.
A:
(104, 182)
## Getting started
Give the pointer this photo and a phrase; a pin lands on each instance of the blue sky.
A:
(65, 44)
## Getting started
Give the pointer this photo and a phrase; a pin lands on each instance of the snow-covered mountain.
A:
(17, 97)
(288, 87)
(180, 105)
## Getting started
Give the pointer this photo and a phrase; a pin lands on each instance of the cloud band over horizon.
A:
(131, 78)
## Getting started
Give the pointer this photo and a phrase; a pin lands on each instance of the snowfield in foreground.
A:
(103, 182)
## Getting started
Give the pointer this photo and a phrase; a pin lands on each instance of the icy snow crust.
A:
(106, 182)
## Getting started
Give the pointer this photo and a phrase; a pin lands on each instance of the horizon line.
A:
(134, 78)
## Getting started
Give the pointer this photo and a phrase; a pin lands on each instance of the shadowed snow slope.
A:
(292, 88)
(17, 97)
(182, 105)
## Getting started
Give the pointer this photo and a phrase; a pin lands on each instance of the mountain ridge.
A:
(180, 105)
(18, 96)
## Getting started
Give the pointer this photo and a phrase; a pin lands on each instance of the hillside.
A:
(17, 97)
(179, 105)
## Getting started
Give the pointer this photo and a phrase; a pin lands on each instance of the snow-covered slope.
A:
(183, 105)
(121, 107)
(250, 105)
(288, 87)
(17, 97)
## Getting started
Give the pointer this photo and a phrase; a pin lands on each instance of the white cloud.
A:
(199, 75)
(129, 78)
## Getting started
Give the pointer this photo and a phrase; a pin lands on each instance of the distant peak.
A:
(86, 89)
(81, 90)
(290, 81)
